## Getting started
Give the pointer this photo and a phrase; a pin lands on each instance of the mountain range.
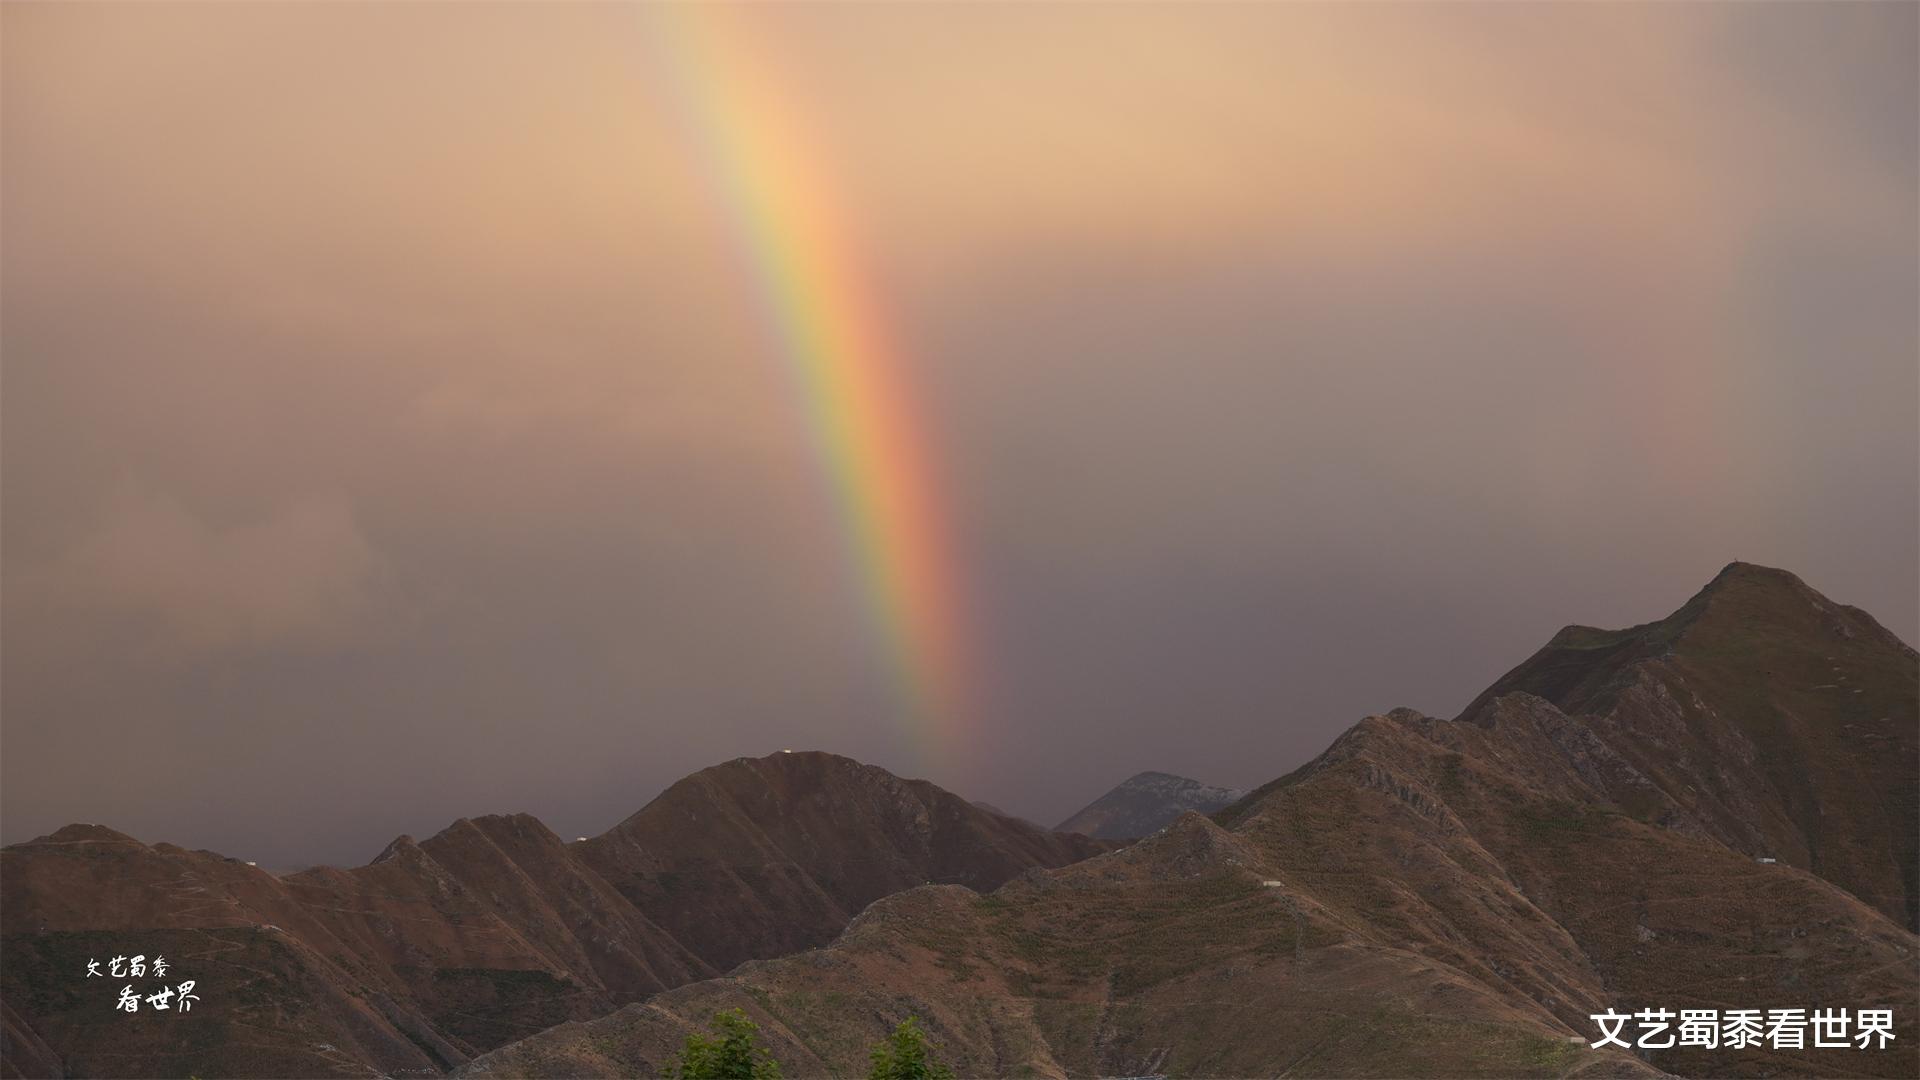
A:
(1715, 810)
(490, 930)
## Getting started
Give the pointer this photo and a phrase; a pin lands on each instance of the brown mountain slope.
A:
(22, 1051)
(87, 893)
(1655, 917)
(491, 930)
(1763, 715)
(1426, 897)
(1430, 917)
(403, 964)
(1169, 956)
(760, 857)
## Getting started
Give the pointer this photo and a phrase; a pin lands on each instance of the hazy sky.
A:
(391, 435)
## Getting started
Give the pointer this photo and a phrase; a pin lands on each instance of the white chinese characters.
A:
(1740, 1029)
(178, 999)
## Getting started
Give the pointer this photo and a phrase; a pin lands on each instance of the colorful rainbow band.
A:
(834, 336)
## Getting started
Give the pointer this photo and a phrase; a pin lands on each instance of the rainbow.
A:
(872, 442)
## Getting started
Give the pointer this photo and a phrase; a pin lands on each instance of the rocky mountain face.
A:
(1442, 897)
(492, 930)
(1145, 803)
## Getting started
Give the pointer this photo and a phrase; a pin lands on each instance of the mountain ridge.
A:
(1458, 893)
(1684, 813)
(490, 929)
(1807, 729)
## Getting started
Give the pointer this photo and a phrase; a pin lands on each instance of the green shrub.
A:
(731, 1053)
(905, 1056)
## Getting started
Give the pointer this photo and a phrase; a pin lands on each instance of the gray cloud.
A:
(390, 446)
(179, 588)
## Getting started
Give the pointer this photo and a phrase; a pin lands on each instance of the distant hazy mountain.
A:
(1712, 811)
(1144, 804)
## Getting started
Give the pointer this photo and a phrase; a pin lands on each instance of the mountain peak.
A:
(1738, 568)
(1756, 583)
(761, 856)
(815, 765)
(1144, 803)
(401, 846)
(1754, 573)
(1760, 676)
(806, 759)
(1744, 598)
(1151, 777)
(86, 833)
(1746, 605)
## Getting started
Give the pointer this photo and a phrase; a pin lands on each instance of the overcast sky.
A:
(390, 433)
